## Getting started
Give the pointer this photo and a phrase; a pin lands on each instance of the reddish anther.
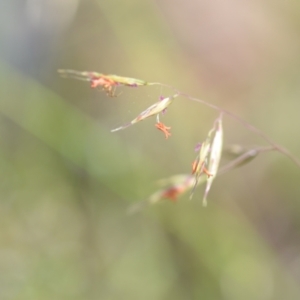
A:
(172, 193)
(106, 83)
(163, 128)
(195, 166)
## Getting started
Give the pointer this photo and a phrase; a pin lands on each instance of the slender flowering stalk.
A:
(107, 82)
(153, 110)
(206, 165)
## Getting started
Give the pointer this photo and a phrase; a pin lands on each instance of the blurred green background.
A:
(67, 181)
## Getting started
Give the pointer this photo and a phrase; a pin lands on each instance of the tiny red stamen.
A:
(204, 170)
(98, 82)
(172, 193)
(163, 128)
(106, 83)
(207, 172)
(194, 166)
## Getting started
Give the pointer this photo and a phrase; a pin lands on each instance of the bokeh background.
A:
(67, 181)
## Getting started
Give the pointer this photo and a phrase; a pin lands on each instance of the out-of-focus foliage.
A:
(67, 181)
